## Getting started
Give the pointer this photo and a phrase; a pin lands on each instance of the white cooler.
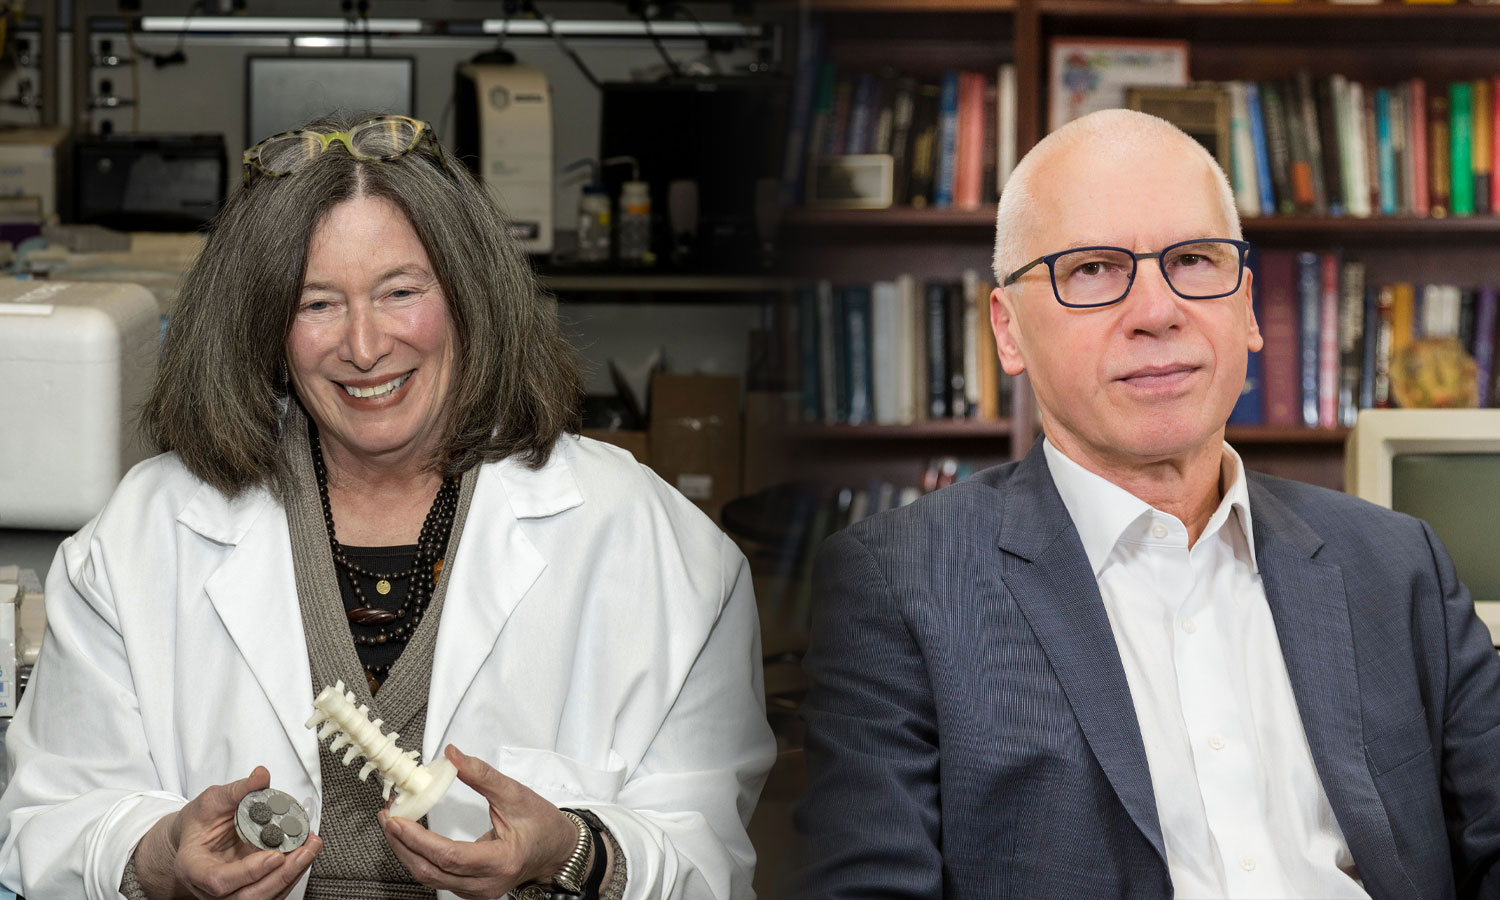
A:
(76, 364)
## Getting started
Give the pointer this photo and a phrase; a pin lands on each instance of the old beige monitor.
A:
(1443, 466)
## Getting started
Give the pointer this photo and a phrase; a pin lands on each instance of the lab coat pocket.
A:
(562, 779)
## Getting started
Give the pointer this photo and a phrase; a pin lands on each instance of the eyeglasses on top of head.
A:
(380, 139)
(1091, 277)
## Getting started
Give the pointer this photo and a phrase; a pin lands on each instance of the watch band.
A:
(573, 882)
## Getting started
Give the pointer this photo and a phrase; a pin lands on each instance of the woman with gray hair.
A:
(365, 405)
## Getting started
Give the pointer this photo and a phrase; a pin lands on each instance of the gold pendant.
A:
(382, 586)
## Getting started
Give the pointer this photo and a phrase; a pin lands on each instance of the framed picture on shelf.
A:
(858, 181)
(1090, 74)
(1202, 111)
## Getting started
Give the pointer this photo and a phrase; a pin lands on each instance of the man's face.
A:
(1154, 376)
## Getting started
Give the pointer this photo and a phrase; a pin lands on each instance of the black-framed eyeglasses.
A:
(1090, 277)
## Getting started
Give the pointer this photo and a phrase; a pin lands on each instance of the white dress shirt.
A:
(1242, 811)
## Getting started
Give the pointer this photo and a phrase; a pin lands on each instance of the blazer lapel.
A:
(255, 595)
(1311, 612)
(1048, 575)
(495, 567)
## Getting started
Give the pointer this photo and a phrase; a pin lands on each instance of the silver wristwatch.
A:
(570, 879)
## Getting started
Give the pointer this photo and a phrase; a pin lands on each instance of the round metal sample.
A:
(271, 820)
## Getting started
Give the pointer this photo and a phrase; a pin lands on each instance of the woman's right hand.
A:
(196, 852)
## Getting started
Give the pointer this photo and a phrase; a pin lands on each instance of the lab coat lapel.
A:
(1048, 575)
(1311, 611)
(255, 594)
(495, 568)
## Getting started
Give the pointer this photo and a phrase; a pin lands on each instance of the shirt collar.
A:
(1102, 510)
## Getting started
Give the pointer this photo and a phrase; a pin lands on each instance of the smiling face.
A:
(1154, 377)
(371, 349)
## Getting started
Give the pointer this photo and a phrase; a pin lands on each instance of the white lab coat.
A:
(599, 643)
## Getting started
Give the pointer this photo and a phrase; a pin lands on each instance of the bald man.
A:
(1123, 666)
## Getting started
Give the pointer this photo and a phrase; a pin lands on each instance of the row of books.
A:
(952, 140)
(1332, 339)
(1336, 146)
(899, 352)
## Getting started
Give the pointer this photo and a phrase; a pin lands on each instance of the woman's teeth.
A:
(379, 390)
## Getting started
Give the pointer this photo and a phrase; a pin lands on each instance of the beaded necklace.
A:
(432, 546)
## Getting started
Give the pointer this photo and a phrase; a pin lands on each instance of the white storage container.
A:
(76, 364)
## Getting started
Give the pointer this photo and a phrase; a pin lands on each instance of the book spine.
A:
(1307, 106)
(1371, 325)
(1276, 143)
(1482, 136)
(1422, 184)
(924, 150)
(969, 150)
(1484, 342)
(947, 155)
(1352, 147)
(1386, 157)
(804, 89)
(862, 113)
(972, 384)
(838, 133)
(841, 380)
(1310, 305)
(1372, 152)
(901, 130)
(857, 355)
(1399, 159)
(1384, 338)
(1328, 342)
(1005, 99)
(1333, 167)
(1304, 190)
(809, 381)
(989, 187)
(828, 374)
(914, 349)
(958, 398)
(1494, 143)
(1277, 287)
(1351, 340)
(1257, 123)
(885, 115)
(1461, 145)
(820, 132)
(1403, 316)
(1241, 153)
(937, 350)
(885, 353)
(1438, 156)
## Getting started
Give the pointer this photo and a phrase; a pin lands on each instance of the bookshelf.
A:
(1375, 43)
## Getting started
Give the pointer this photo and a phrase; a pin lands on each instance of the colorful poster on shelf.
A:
(1089, 74)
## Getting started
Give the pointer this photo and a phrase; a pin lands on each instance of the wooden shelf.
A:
(1265, 434)
(913, 6)
(662, 283)
(968, 429)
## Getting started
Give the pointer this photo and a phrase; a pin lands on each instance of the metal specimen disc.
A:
(271, 820)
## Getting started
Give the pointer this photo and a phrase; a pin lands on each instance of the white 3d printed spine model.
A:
(420, 787)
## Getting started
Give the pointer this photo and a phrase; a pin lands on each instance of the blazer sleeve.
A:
(681, 818)
(1470, 738)
(83, 789)
(868, 822)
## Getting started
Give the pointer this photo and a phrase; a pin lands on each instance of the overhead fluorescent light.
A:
(287, 25)
(627, 28)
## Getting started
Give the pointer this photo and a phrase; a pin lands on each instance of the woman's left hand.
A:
(529, 839)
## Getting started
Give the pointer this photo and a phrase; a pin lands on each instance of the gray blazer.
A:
(970, 733)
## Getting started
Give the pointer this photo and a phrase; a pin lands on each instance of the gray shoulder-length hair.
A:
(221, 388)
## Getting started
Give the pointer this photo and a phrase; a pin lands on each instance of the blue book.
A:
(1310, 303)
(858, 365)
(807, 355)
(862, 115)
(793, 167)
(1385, 151)
(1262, 156)
(1250, 409)
(947, 162)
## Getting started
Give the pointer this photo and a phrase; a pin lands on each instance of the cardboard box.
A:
(634, 441)
(695, 436)
(31, 160)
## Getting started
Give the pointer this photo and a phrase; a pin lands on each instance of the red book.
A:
(1281, 362)
(969, 173)
(1328, 342)
(1417, 147)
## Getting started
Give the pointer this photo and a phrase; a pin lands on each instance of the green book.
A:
(1460, 108)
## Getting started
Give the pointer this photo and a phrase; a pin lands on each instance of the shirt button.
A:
(1158, 530)
(1247, 863)
(1216, 742)
(1189, 626)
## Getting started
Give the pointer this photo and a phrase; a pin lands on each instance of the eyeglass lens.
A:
(1199, 270)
